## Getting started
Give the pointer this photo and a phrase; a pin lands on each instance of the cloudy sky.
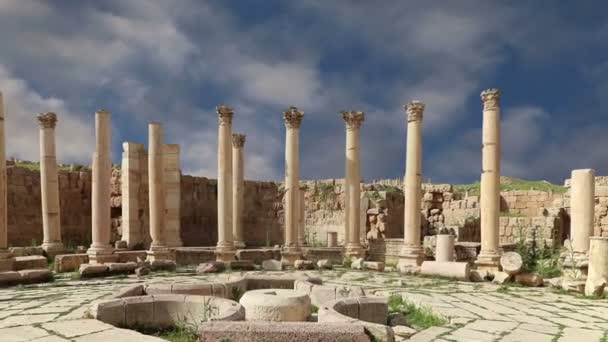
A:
(174, 61)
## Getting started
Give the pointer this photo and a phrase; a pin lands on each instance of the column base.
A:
(289, 255)
(53, 248)
(488, 261)
(354, 250)
(156, 253)
(410, 259)
(239, 244)
(225, 253)
(101, 254)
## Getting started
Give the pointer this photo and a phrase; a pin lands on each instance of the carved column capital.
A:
(47, 120)
(225, 114)
(490, 98)
(238, 140)
(414, 111)
(353, 119)
(293, 117)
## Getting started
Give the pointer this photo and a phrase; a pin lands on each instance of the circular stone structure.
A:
(278, 305)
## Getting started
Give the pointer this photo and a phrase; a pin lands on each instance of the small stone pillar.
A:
(238, 189)
(412, 255)
(353, 120)
(332, 239)
(49, 185)
(173, 195)
(132, 225)
(444, 247)
(489, 256)
(293, 119)
(6, 261)
(156, 180)
(225, 248)
(302, 217)
(597, 278)
(101, 250)
(582, 206)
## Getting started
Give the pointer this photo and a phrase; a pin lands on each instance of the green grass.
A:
(417, 317)
(510, 184)
(35, 166)
(387, 188)
(174, 334)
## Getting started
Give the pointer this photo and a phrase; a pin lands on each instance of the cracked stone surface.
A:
(475, 311)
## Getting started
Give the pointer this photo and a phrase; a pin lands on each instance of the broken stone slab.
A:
(245, 265)
(36, 276)
(374, 265)
(501, 278)
(93, 270)
(121, 267)
(163, 265)
(511, 263)
(30, 262)
(403, 331)
(357, 264)
(553, 282)
(142, 271)
(577, 286)
(453, 269)
(529, 279)
(272, 265)
(304, 265)
(70, 262)
(324, 264)
(211, 267)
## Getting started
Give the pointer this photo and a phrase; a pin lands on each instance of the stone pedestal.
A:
(489, 256)
(353, 120)
(158, 249)
(444, 249)
(332, 239)
(412, 254)
(293, 118)
(225, 248)
(238, 189)
(582, 204)
(101, 250)
(597, 278)
(49, 184)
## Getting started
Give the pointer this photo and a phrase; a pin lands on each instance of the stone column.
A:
(353, 120)
(582, 206)
(598, 266)
(6, 260)
(156, 181)
(132, 225)
(101, 250)
(412, 255)
(293, 118)
(49, 185)
(225, 247)
(302, 217)
(489, 256)
(173, 195)
(238, 189)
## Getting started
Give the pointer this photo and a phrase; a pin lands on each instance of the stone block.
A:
(163, 265)
(93, 270)
(121, 267)
(192, 255)
(272, 265)
(304, 265)
(245, 265)
(374, 265)
(357, 264)
(7, 264)
(9, 278)
(255, 255)
(34, 276)
(529, 279)
(373, 310)
(321, 294)
(455, 270)
(111, 312)
(30, 262)
(211, 267)
(324, 264)
(142, 271)
(130, 256)
(501, 278)
(139, 311)
(70, 262)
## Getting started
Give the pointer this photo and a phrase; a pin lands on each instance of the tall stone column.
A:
(489, 256)
(353, 120)
(6, 260)
(132, 225)
(156, 181)
(225, 248)
(173, 195)
(49, 184)
(412, 253)
(582, 206)
(293, 119)
(302, 217)
(101, 250)
(238, 189)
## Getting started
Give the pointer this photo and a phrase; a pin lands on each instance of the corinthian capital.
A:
(414, 110)
(224, 113)
(293, 117)
(490, 98)
(238, 140)
(353, 119)
(47, 120)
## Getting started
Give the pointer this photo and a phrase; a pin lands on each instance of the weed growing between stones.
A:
(537, 258)
(417, 317)
(173, 334)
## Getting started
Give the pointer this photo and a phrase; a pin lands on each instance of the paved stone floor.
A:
(476, 311)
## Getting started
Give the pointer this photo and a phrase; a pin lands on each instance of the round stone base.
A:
(277, 305)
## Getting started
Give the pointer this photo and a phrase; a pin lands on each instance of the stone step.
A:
(30, 262)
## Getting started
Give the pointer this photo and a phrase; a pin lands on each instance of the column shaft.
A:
(132, 226)
(302, 217)
(225, 246)
(156, 184)
(49, 184)
(353, 120)
(582, 206)
(490, 180)
(3, 199)
(172, 194)
(238, 189)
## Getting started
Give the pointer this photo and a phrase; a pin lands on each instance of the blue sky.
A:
(173, 62)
